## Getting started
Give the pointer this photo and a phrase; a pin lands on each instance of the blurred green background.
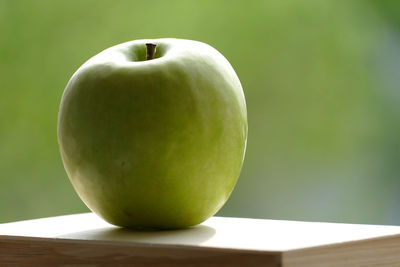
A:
(321, 78)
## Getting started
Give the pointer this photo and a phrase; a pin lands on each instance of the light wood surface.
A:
(86, 239)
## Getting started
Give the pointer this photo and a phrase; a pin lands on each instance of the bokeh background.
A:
(321, 78)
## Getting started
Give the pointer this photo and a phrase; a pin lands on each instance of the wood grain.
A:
(374, 252)
(39, 252)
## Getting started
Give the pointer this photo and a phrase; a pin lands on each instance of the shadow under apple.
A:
(194, 235)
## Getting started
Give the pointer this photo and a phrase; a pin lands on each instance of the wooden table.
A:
(88, 240)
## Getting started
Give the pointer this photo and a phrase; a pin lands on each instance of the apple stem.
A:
(151, 50)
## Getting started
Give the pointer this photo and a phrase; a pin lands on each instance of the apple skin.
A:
(154, 143)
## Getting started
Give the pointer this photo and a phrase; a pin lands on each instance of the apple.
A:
(152, 133)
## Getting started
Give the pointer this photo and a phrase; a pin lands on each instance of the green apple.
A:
(153, 133)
